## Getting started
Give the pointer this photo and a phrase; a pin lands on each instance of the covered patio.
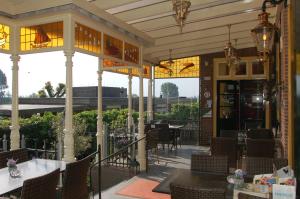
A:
(248, 95)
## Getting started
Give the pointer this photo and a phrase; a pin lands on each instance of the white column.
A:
(100, 132)
(129, 101)
(141, 134)
(15, 134)
(150, 99)
(69, 154)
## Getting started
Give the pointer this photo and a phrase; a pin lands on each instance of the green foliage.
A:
(169, 89)
(48, 90)
(49, 126)
(182, 112)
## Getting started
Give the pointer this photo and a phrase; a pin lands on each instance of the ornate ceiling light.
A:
(263, 33)
(181, 8)
(230, 52)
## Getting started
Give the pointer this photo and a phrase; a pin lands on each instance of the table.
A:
(193, 178)
(29, 169)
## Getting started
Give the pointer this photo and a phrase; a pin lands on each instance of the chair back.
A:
(164, 133)
(75, 179)
(209, 164)
(194, 192)
(225, 147)
(258, 165)
(152, 139)
(247, 196)
(260, 148)
(229, 134)
(41, 187)
(19, 154)
(260, 134)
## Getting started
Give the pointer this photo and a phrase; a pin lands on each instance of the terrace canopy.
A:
(74, 27)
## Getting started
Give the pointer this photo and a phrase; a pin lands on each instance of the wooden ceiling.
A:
(205, 30)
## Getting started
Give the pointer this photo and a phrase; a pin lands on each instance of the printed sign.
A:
(284, 192)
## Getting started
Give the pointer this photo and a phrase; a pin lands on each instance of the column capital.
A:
(100, 72)
(69, 53)
(15, 57)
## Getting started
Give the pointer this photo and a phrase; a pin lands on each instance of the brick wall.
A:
(284, 117)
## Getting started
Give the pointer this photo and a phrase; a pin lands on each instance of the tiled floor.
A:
(168, 160)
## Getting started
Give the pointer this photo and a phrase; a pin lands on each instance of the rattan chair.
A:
(247, 196)
(188, 192)
(229, 134)
(75, 180)
(225, 147)
(152, 141)
(260, 134)
(260, 148)
(43, 187)
(164, 134)
(20, 154)
(258, 165)
(210, 164)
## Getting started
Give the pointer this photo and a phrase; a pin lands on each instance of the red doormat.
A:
(142, 188)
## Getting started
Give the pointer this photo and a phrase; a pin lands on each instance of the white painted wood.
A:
(29, 169)
(141, 133)
(150, 98)
(130, 121)
(100, 132)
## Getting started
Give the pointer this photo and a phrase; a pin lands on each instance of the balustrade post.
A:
(23, 143)
(4, 143)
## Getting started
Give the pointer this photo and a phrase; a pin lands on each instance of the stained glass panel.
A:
(42, 36)
(131, 53)
(113, 47)
(87, 38)
(178, 68)
(4, 37)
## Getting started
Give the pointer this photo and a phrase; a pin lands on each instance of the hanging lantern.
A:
(230, 52)
(263, 34)
(181, 8)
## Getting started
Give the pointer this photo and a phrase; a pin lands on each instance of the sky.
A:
(36, 69)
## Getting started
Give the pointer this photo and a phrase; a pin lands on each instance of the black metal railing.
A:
(124, 158)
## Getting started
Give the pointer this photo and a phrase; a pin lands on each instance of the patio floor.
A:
(168, 161)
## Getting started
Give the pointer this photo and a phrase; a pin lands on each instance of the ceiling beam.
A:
(208, 45)
(199, 41)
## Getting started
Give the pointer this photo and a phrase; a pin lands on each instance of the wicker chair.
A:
(187, 192)
(247, 196)
(20, 154)
(152, 141)
(164, 134)
(225, 147)
(258, 165)
(41, 187)
(229, 134)
(75, 180)
(210, 164)
(260, 134)
(260, 148)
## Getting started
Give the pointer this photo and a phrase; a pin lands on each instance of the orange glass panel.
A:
(113, 47)
(87, 38)
(131, 53)
(107, 63)
(4, 37)
(42, 36)
(178, 68)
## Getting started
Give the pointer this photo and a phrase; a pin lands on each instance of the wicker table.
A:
(29, 169)
(191, 178)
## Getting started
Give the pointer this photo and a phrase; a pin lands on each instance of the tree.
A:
(3, 83)
(48, 91)
(169, 89)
